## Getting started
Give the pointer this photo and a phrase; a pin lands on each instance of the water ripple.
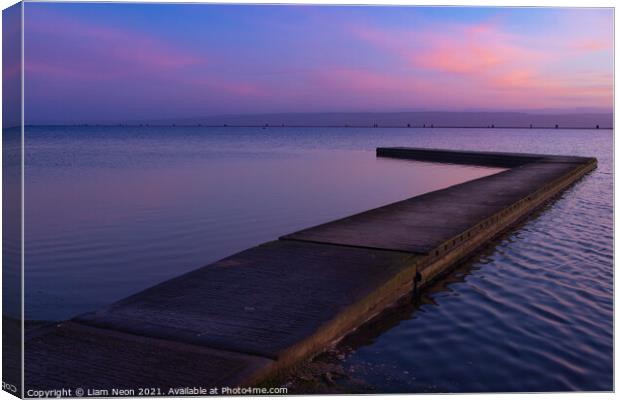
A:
(532, 312)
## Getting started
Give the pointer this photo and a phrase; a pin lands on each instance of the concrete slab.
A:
(74, 356)
(423, 223)
(260, 301)
(483, 158)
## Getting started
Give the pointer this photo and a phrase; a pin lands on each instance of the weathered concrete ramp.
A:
(78, 356)
(425, 223)
(264, 301)
(248, 316)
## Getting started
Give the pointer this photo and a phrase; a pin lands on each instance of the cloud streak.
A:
(497, 66)
(200, 60)
(102, 52)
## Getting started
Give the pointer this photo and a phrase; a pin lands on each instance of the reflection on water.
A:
(531, 313)
(112, 210)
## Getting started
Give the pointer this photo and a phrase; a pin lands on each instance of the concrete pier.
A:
(242, 319)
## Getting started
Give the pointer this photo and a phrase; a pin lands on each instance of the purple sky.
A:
(110, 62)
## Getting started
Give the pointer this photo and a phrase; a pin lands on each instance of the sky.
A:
(103, 62)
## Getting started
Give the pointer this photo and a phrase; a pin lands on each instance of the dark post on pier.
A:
(254, 314)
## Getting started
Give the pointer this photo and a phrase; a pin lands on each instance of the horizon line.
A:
(264, 126)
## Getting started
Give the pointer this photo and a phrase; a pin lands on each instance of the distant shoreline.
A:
(265, 126)
(430, 119)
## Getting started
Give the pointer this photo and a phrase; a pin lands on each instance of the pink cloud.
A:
(475, 49)
(460, 49)
(458, 59)
(102, 52)
(492, 66)
(349, 88)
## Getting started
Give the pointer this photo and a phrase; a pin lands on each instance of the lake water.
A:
(110, 211)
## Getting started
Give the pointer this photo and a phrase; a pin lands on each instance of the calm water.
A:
(110, 211)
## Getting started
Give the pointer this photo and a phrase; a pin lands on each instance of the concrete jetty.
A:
(249, 316)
